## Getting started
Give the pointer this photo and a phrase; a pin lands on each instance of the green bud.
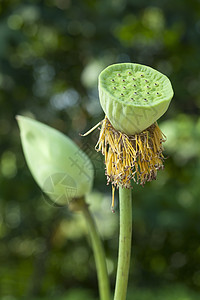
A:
(61, 169)
(133, 96)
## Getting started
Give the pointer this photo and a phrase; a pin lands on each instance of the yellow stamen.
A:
(136, 157)
(130, 157)
(113, 199)
(92, 129)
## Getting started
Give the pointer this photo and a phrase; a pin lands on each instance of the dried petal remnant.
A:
(136, 157)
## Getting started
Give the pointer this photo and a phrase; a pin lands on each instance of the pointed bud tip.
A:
(17, 117)
(19, 120)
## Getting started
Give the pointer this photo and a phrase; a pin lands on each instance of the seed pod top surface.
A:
(133, 96)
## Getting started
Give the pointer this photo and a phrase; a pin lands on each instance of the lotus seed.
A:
(145, 99)
(118, 74)
(113, 80)
(135, 93)
(124, 87)
(122, 94)
(142, 75)
(129, 73)
(123, 80)
(131, 98)
(148, 93)
(133, 78)
(115, 88)
(147, 86)
(134, 85)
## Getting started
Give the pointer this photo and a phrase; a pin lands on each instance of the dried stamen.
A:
(136, 157)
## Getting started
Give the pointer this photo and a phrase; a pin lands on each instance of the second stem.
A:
(104, 288)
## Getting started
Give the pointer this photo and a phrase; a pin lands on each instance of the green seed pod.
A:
(133, 96)
(61, 169)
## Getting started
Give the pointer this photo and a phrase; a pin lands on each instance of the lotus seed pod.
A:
(61, 169)
(133, 96)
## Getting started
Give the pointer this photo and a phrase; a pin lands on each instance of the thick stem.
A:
(102, 274)
(125, 203)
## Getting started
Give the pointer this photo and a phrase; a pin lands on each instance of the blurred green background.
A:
(51, 52)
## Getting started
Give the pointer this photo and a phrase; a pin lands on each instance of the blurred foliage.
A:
(51, 53)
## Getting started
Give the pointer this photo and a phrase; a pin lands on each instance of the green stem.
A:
(102, 274)
(125, 203)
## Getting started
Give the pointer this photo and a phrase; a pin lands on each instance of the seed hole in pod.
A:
(148, 93)
(155, 84)
(113, 80)
(129, 73)
(135, 93)
(146, 80)
(133, 78)
(145, 99)
(124, 87)
(118, 74)
(157, 93)
(148, 87)
(142, 75)
(114, 88)
(123, 80)
(122, 94)
(134, 85)
(132, 99)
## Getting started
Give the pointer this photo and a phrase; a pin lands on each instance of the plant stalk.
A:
(125, 235)
(99, 255)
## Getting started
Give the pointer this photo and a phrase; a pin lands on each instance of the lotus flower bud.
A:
(60, 168)
(133, 96)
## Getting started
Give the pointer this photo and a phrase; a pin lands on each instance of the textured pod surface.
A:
(61, 169)
(133, 96)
